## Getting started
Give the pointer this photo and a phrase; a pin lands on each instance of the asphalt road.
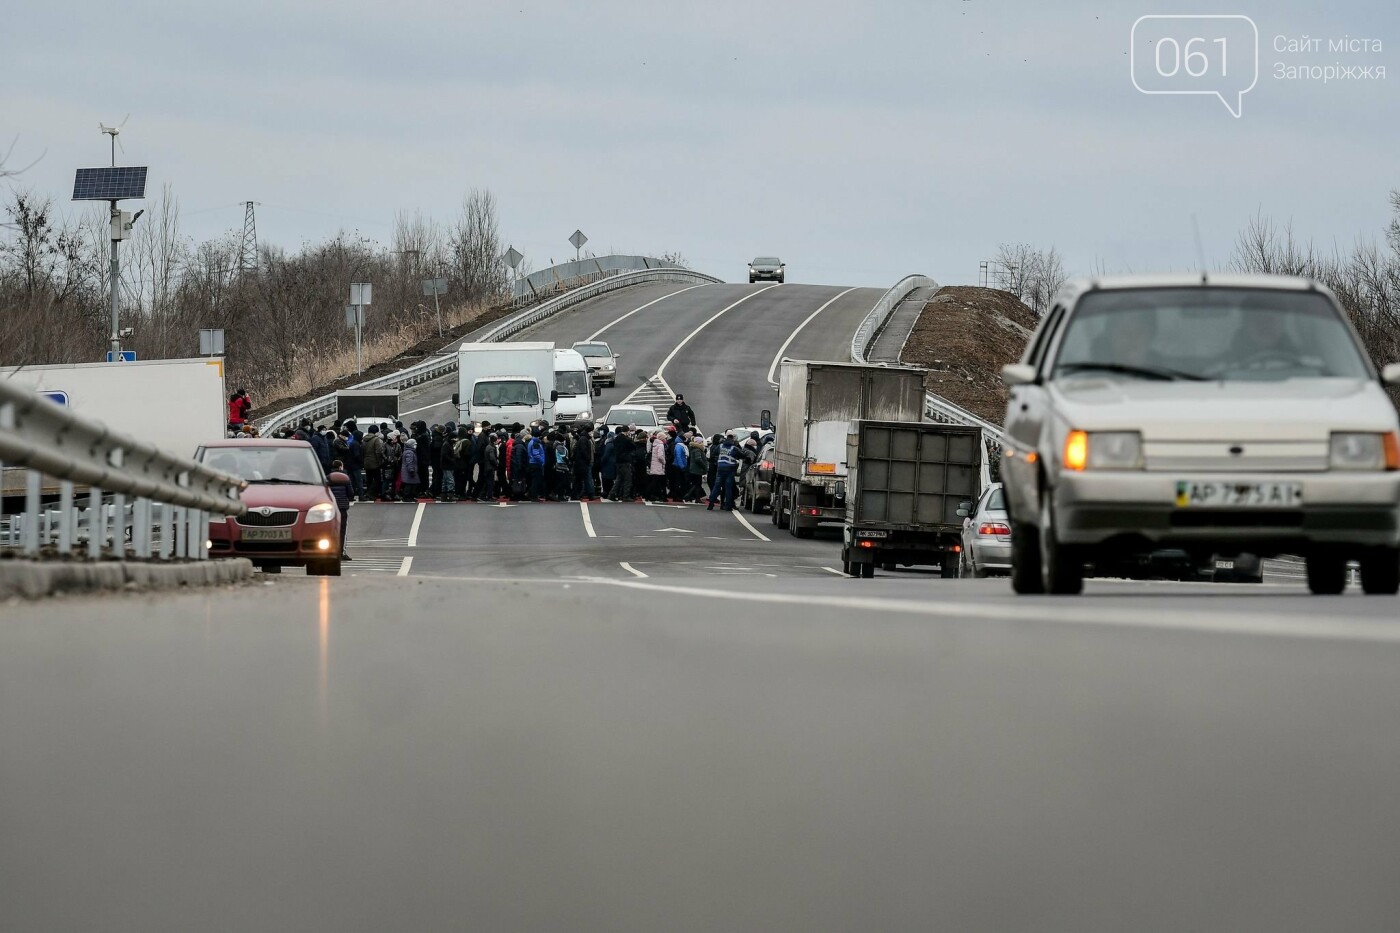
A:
(818, 754)
(631, 717)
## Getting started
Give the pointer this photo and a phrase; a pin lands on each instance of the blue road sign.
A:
(55, 396)
(128, 356)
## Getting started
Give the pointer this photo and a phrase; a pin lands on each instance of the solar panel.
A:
(110, 184)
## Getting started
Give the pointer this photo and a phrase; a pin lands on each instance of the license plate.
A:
(1238, 495)
(1224, 565)
(267, 534)
(872, 534)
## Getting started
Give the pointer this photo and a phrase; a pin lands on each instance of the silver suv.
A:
(1216, 414)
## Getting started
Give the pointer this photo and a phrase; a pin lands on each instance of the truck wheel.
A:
(1061, 568)
(1380, 571)
(867, 571)
(949, 568)
(781, 515)
(1327, 573)
(1025, 559)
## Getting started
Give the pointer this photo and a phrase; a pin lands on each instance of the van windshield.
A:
(502, 392)
(571, 382)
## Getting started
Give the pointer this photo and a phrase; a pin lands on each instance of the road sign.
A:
(56, 396)
(127, 356)
(360, 293)
(354, 317)
(578, 239)
(513, 257)
(211, 341)
(435, 287)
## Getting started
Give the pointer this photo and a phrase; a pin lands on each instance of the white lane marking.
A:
(600, 331)
(414, 411)
(678, 530)
(661, 370)
(793, 336)
(630, 569)
(745, 522)
(1055, 611)
(417, 520)
(404, 567)
(587, 520)
(839, 573)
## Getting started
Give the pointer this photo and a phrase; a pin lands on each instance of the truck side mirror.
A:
(554, 396)
(457, 399)
(965, 508)
(1017, 374)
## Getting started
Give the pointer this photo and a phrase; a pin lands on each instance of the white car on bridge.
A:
(1214, 414)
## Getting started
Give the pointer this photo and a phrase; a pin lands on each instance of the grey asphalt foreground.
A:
(817, 754)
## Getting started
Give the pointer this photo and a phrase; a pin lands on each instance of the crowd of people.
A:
(539, 462)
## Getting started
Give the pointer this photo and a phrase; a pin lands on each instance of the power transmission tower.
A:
(248, 252)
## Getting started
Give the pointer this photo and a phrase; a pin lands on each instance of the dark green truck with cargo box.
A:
(905, 481)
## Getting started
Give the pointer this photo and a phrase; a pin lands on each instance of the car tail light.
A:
(766, 465)
(811, 511)
(994, 528)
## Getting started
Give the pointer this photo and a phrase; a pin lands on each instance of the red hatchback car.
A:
(292, 519)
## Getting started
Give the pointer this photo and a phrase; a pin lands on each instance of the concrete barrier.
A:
(36, 579)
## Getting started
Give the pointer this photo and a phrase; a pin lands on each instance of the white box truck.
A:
(817, 405)
(505, 383)
(175, 404)
(574, 388)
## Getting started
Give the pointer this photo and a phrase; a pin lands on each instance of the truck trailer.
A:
(367, 406)
(905, 482)
(817, 404)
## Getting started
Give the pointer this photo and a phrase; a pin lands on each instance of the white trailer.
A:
(175, 404)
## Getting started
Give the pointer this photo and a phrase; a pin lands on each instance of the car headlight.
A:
(585, 414)
(324, 512)
(1356, 451)
(1103, 450)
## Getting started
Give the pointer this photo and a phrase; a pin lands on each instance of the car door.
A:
(1026, 411)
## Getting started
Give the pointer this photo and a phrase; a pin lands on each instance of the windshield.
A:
(266, 464)
(593, 349)
(642, 416)
(766, 261)
(1220, 334)
(499, 393)
(571, 382)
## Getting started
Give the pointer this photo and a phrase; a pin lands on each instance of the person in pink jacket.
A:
(656, 468)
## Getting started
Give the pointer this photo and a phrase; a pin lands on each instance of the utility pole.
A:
(248, 249)
(113, 184)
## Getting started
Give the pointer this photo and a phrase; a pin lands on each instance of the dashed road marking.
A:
(587, 520)
(405, 566)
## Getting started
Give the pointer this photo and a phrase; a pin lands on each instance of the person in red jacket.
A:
(239, 405)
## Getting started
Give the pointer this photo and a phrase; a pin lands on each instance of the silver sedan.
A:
(986, 536)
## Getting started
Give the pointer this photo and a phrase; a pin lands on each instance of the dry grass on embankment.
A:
(963, 338)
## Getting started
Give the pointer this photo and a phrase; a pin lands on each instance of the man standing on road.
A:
(622, 450)
(583, 465)
(724, 476)
(682, 413)
(374, 462)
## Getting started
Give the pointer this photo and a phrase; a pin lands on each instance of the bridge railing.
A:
(434, 367)
(140, 500)
(879, 315)
(566, 275)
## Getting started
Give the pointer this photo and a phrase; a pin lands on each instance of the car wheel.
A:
(751, 280)
(1061, 569)
(1025, 559)
(1380, 572)
(1327, 573)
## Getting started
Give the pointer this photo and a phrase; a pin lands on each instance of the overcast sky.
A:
(858, 141)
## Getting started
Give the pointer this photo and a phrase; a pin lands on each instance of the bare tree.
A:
(475, 244)
(1032, 275)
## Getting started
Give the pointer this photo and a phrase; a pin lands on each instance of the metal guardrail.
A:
(879, 315)
(936, 408)
(172, 497)
(567, 275)
(436, 366)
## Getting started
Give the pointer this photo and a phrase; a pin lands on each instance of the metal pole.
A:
(97, 523)
(359, 327)
(65, 517)
(30, 545)
(116, 275)
(182, 526)
(438, 308)
(119, 526)
(141, 528)
(166, 530)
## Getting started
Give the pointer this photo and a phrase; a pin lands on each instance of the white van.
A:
(574, 388)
